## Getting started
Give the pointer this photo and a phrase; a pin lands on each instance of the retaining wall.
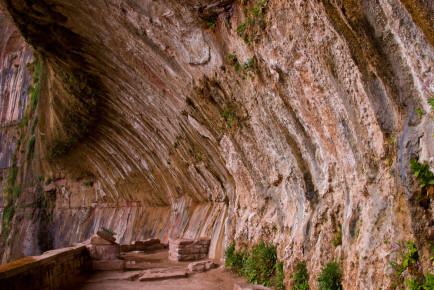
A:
(51, 270)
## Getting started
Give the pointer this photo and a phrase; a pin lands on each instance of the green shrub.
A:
(431, 102)
(429, 282)
(258, 266)
(234, 260)
(301, 278)
(422, 172)
(330, 277)
(241, 28)
(280, 277)
(249, 64)
(16, 191)
(261, 265)
(413, 284)
(8, 213)
(228, 117)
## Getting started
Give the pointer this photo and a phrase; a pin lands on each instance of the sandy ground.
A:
(218, 278)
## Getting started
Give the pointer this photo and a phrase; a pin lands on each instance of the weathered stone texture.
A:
(313, 138)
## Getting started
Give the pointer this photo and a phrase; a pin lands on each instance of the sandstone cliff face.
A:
(294, 126)
(15, 80)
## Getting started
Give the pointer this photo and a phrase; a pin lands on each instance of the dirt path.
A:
(156, 263)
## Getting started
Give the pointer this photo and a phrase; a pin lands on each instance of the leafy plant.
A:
(241, 28)
(429, 282)
(330, 277)
(228, 117)
(412, 284)
(211, 24)
(406, 260)
(338, 238)
(259, 266)
(422, 172)
(280, 277)
(234, 260)
(418, 112)
(431, 102)
(249, 64)
(16, 191)
(301, 277)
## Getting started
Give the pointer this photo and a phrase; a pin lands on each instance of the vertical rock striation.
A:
(290, 122)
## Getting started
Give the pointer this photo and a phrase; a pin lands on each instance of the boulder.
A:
(106, 237)
(201, 266)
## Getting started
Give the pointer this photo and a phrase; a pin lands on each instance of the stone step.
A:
(151, 275)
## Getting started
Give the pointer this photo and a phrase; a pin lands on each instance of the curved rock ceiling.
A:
(299, 124)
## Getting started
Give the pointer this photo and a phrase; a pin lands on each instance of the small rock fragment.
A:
(201, 266)
(106, 236)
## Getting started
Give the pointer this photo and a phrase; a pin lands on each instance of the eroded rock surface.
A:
(299, 128)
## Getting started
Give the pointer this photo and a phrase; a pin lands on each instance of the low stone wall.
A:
(51, 270)
(188, 249)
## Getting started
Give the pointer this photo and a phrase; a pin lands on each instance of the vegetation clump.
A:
(79, 114)
(259, 266)
(330, 277)
(407, 268)
(280, 277)
(422, 172)
(301, 277)
(228, 117)
(255, 17)
(88, 183)
(11, 192)
(338, 238)
(31, 148)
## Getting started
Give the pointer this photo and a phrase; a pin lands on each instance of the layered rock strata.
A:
(291, 122)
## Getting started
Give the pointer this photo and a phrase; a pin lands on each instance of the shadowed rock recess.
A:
(287, 122)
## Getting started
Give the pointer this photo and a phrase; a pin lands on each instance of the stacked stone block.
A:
(105, 252)
(188, 249)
